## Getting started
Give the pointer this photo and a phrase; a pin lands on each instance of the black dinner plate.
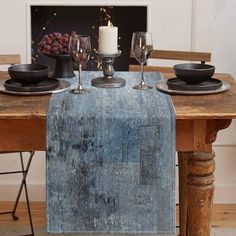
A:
(178, 84)
(45, 85)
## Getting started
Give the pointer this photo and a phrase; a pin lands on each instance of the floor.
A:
(224, 215)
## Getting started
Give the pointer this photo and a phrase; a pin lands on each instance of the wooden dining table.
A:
(198, 120)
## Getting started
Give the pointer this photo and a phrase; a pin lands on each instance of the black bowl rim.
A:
(208, 67)
(13, 68)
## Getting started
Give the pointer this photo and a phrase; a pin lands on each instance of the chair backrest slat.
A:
(181, 55)
(10, 59)
(173, 55)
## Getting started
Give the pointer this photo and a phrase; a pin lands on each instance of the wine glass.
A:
(141, 48)
(80, 48)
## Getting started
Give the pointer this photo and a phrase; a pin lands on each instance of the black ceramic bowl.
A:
(29, 73)
(193, 73)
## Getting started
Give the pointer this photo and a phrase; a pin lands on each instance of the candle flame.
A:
(110, 23)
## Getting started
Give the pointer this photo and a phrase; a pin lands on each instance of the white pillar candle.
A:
(108, 39)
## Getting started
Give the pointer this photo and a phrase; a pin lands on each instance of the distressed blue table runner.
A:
(111, 159)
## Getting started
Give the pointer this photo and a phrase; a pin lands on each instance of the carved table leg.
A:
(183, 172)
(200, 184)
(195, 139)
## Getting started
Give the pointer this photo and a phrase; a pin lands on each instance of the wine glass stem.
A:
(142, 77)
(80, 83)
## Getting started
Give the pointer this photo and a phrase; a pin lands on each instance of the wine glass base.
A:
(80, 91)
(142, 87)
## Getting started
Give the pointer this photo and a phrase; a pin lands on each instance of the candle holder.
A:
(108, 81)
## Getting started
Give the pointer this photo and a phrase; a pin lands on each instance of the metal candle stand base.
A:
(108, 81)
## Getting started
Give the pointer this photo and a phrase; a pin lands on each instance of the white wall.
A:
(224, 58)
(179, 25)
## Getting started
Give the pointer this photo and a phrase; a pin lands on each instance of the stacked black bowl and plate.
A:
(30, 78)
(194, 77)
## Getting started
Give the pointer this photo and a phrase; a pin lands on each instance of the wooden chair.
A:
(11, 60)
(172, 55)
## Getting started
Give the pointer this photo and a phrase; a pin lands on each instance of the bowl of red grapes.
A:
(56, 45)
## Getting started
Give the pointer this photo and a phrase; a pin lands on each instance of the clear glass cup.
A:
(80, 49)
(141, 48)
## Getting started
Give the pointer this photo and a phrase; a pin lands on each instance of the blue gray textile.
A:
(111, 159)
